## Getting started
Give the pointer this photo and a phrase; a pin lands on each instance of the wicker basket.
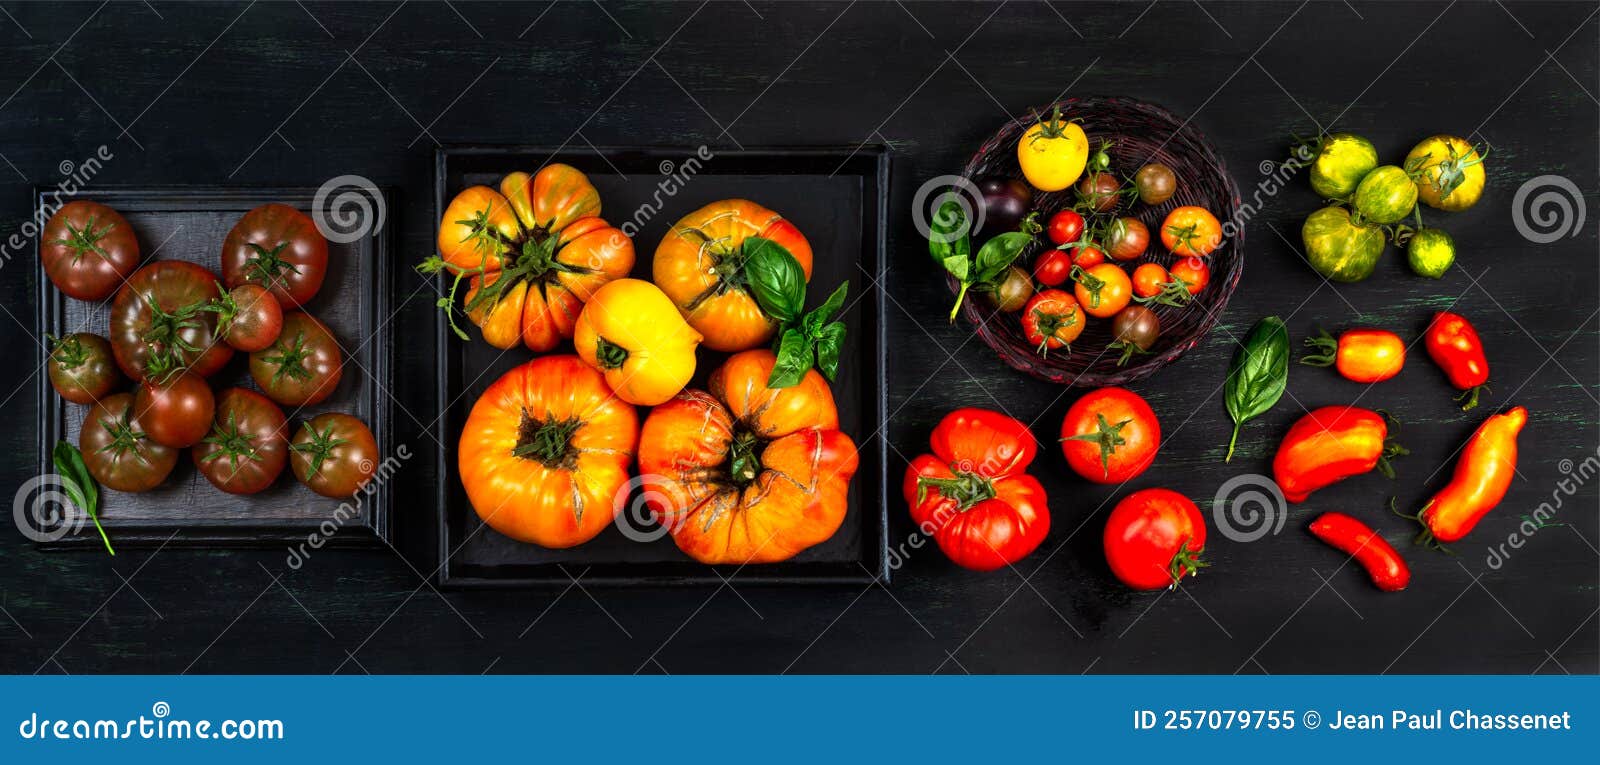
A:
(1140, 132)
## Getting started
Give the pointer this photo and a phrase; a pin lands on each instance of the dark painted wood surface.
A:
(277, 94)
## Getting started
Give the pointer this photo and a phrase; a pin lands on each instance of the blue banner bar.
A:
(796, 719)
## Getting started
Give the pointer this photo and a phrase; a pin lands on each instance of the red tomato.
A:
(1052, 319)
(251, 318)
(1065, 227)
(1191, 230)
(88, 249)
(972, 494)
(117, 453)
(176, 411)
(1053, 267)
(1154, 538)
(1088, 257)
(334, 454)
(82, 368)
(303, 367)
(1110, 435)
(1148, 279)
(1193, 272)
(1127, 239)
(159, 322)
(248, 445)
(277, 247)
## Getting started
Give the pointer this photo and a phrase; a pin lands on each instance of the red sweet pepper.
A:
(1454, 346)
(1356, 539)
(1329, 445)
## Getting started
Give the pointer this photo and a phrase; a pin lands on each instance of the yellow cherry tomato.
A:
(1052, 153)
(1102, 290)
(631, 331)
(1448, 172)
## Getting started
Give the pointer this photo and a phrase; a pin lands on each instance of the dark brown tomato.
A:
(1127, 239)
(82, 368)
(1156, 183)
(159, 321)
(302, 367)
(88, 249)
(251, 318)
(248, 445)
(118, 454)
(1013, 291)
(1100, 191)
(277, 247)
(176, 411)
(334, 454)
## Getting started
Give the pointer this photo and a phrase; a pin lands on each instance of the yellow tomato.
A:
(1052, 153)
(1448, 173)
(631, 331)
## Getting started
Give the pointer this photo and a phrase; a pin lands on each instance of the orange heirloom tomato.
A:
(745, 473)
(1191, 230)
(533, 253)
(700, 265)
(1360, 355)
(633, 334)
(544, 454)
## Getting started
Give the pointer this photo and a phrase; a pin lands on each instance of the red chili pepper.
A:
(1455, 347)
(1360, 355)
(1329, 445)
(1481, 479)
(1356, 539)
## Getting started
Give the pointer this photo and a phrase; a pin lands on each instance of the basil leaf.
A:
(822, 314)
(959, 266)
(775, 278)
(79, 484)
(1259, 374)
(794, 359)
(830, 341)
(948, 234)
(997, 254)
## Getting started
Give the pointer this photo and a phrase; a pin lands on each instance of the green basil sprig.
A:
(1259, 374)
(950, 243)
(79, 484)
(805, 339)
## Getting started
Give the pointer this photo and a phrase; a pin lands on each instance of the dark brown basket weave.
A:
(1140, 133)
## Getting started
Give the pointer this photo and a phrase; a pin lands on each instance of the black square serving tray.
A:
(838, 197)
(190, 224)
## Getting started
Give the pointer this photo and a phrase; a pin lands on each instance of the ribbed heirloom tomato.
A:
(700, 265)
(973, 494)
(743, 473)
(532, 253)
(544, 454)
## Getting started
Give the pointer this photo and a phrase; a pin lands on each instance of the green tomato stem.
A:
(1232, 441)
(960, 296)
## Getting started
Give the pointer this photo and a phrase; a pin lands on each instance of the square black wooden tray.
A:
(839, 198)
(189, 224)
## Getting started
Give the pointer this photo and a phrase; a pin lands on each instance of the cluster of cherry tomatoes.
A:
(173, 327)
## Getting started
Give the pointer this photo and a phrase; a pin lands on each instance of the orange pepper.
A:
(1481, 479)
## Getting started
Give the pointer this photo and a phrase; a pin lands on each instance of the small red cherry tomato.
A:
(1148, 279)
(1053, 267)
(1065, 227)
(1193, 272)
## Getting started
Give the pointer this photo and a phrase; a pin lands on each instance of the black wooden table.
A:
(291, 94)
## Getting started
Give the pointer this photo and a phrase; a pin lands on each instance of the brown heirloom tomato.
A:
(277, 247)
(176, 410)
(745, 473)
(334, 454)
(303, 367)
(251, 317)
(88, 249)
(82, 369)
(700, 265)
(544, 455)
(248, 445)
(160, 323)
(117, 452)
(532, 253)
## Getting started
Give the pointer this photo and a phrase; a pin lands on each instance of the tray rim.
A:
(881, 569)
(377, 532)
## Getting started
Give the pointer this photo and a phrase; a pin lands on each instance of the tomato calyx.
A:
(267, 266)
(85, 240)
(744, 457)
(67, 352)
(1093, 284)
(165, 337)
(231, 442)
(1051, 128)
(125, 438)
(291, 359)
(1449, 174)
(1106, 436)
(1174, 293)
(1049, 324)
(319, 448)
(609, 354)
(1185, 236)
(1185, 562)
(548, 442)
(966, 489)
(1127, 350)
